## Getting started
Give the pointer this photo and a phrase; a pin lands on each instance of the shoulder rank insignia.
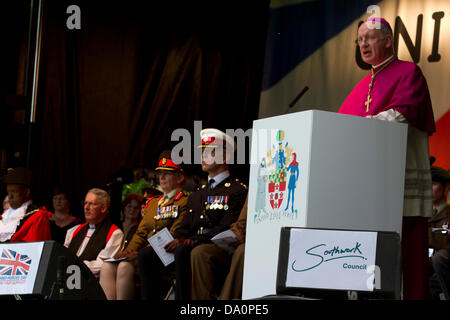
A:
(178, 196)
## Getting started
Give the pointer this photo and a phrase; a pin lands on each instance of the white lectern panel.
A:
(319, 169)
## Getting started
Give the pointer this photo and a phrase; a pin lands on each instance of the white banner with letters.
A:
(19, 263)
(331, 259)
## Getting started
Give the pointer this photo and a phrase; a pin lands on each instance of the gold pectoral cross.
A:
(367, 103)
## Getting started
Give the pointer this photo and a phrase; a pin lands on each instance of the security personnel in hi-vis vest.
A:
(211, 209)
(166, 211)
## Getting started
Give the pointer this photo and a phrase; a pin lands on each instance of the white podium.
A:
(318, 169)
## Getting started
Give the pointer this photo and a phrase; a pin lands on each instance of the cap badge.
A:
(208, 140)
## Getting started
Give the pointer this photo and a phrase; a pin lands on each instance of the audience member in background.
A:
(61, 219)
(166, 211)
(97, 239)
(131, 216)
(439, 240)
(151, 192)
(211, 209)
(23, 221)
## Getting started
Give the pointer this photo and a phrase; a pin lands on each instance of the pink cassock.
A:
(400, 86)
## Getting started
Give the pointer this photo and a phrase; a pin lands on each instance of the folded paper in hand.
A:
(158, 241)
(224, 239)
(116, 260)
(442, 230)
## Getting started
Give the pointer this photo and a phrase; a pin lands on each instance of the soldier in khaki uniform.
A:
(117, 278)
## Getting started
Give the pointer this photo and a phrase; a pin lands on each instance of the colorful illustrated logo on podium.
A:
(278, 174)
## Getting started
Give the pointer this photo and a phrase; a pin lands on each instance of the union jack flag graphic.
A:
(13, 263)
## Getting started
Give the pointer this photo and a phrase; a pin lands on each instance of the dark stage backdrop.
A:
(111, 93)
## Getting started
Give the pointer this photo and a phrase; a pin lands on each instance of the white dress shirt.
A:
(219, 178)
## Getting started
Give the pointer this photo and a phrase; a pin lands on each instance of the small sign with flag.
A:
(19, 264)
(14, 264)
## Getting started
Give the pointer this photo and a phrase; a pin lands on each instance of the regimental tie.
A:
(369, 98)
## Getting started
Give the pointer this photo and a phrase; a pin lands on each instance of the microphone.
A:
(60, 275)
(306, 88)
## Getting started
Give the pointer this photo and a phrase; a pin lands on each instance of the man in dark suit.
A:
(211, 209)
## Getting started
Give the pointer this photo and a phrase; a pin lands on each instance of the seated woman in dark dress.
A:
(131, 216)
(61, 220)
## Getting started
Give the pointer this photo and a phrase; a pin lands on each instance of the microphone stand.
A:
(58, 284)
(293, 102)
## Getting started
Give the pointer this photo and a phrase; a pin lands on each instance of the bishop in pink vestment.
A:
(396, 90)
(400, 86)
